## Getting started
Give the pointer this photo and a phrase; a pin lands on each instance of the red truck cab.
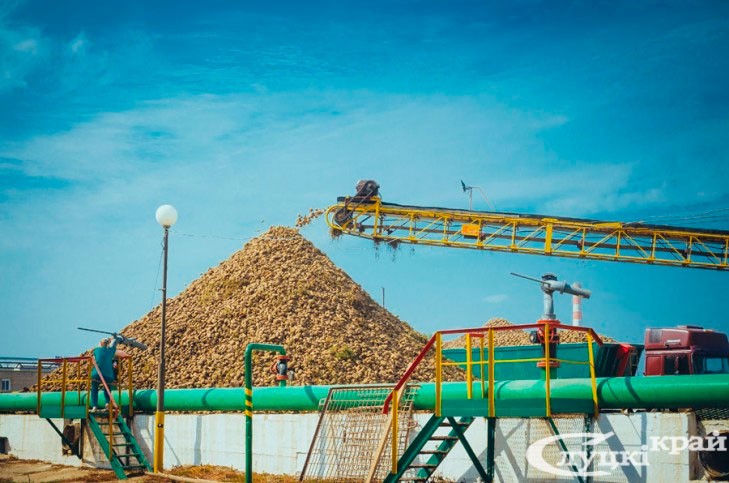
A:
(686, 349)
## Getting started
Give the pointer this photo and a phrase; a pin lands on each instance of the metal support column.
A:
(490, 449)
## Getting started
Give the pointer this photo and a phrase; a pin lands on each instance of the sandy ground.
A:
(12, 469)
(15, 470)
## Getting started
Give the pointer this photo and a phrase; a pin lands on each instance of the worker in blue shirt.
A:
(104, 357)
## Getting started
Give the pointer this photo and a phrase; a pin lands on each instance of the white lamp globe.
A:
(166, 215)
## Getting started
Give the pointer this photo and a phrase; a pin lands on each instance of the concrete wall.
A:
(281, 442)
(632, 432)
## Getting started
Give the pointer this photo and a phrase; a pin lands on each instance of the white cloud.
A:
(496, 298)
(236, 152)
(27, 45)
(22, 51)
(78, 44)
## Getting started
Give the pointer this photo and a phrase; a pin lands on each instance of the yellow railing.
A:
(75, 377)
(547, 361)
(489, 363)
(531, 234)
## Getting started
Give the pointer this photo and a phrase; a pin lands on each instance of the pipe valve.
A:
(281, 367)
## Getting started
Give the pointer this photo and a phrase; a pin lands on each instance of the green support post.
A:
(490, 449)
(467, 446)
(564, 449)
(249, 400)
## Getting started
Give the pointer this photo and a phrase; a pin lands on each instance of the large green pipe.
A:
(658, 392)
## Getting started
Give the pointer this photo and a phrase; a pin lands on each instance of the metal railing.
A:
(75, 371)
(531, 234)
(76, 377)
(488, 361)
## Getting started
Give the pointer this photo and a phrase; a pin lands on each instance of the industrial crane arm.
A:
(366, 216)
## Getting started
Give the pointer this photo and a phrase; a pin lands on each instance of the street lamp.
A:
(166, 216)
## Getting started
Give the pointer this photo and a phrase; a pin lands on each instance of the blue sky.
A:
(244, 114)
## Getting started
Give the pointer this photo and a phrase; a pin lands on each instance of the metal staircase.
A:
(432, 444)
(110, 429)
(455, 406)
(118, 444)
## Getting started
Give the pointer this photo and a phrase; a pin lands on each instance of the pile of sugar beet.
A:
(280, 289)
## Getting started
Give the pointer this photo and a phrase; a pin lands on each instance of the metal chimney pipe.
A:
(576, 307)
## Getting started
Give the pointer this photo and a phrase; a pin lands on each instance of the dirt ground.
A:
(15, 470)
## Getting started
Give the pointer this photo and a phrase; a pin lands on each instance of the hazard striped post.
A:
(249, 403)
(248, 409)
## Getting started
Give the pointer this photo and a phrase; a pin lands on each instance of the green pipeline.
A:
(658, 392)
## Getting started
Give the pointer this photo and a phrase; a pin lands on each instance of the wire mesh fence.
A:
(352, 439)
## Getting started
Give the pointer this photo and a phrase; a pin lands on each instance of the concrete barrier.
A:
(281, 442)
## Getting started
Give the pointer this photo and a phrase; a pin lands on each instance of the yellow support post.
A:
(483, 371)
(492, 396)
(38, 388)
(63, 388)
(469, 363)
(159, 444)
(119, 386)
(438, 373)
(593, 382)
(548, 239)
(395, 403)
(88, 384)
(130, 368)
(111, 428)
(79, 381)
(547, 368)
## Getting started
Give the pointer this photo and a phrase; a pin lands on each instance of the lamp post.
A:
(166, 216)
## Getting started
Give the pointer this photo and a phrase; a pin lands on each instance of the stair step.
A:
(444, 438)
(423, 465)
(433, 451)
(446, 424)
(127, 455)
(123, 444)
(134, 467)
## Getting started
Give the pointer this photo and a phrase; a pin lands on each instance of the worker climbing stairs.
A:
(109, 428)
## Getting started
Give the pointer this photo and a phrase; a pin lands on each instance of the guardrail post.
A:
(492, 396)
(469, 366)
(438, 373)
(547, 368)
(130, 367)
(593, 383)
(483, 371)
(394, 433)
(38, 387)
(63, 388)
